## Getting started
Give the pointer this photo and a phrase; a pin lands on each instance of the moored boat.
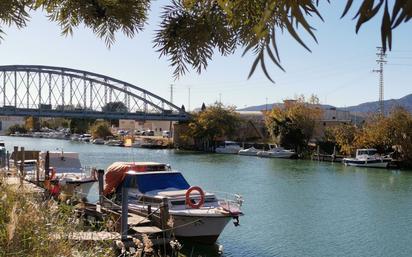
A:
(114, 142)
(368, 158)
(66, 173)
(98, 141)
(250, 151)
(276, 152)
(229, 147)
(195, 214)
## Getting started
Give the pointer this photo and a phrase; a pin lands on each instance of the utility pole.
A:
(220, 98)
(188, 106)
(266, 104)
(171, 93)
(381, 61)
(171, 100)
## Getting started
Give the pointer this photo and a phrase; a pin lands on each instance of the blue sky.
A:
(338, 71)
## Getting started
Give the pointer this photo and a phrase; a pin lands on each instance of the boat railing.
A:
(229, 199)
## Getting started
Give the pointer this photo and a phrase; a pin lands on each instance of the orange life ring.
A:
(202, 197)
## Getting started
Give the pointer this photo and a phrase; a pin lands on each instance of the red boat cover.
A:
(117, 171)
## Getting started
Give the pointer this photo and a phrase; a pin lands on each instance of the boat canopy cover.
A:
(155, 182)
(116, 172)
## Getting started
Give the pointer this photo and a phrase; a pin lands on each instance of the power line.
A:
(381, 61)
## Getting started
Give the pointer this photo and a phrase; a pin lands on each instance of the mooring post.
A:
(16, 156)
(100, 174)
(125, 212)
(22, 159)
(38, 168)
(164, 213)
(8, 160)
(47, 166)
(149, 210)
(318, 152)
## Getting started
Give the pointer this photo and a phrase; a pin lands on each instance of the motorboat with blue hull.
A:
(195, 214)
(368, 158)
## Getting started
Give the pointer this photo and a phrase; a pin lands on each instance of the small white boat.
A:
(196, 215)
(229, 147)
(368, 158)
(85, 138)
(114, 142)
(250, 151)
(276, 152)
(98, 141)
(66, 173)
(75, 137)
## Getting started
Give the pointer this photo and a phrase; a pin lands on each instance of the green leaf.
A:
(347, 7)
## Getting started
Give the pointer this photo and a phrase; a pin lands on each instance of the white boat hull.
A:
(370, 164)
(205, 229)
(276, 155)
(248, 153)
(195, 224)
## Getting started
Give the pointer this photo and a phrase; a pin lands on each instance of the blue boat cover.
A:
(159, 181)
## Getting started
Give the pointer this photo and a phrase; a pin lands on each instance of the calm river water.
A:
(292, 207)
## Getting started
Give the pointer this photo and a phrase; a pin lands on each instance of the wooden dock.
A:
(327, 157)
(119, 223)
(20, 184)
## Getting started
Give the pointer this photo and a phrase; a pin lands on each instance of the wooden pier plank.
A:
(87, 236)
(135, 219)
(146, 229)
(30, 187)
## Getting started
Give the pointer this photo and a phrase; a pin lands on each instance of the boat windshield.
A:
(367, 152)
(159, 181)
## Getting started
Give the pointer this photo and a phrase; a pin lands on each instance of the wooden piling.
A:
(38, 169)
(47, 167)
(100, 174)
(8, 160)
(125, 212)
(16, 154)
(22, 159)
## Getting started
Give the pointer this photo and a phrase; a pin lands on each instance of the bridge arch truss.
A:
(34, 90)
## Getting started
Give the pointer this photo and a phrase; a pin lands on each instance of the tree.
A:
(55, 123)
(101, 129)
(16, 128)
(214, 123)
(293, 125)
(32, 123)
(344, 136)
(79, 126)
(115, 107)
(383, 133)
(224, 25)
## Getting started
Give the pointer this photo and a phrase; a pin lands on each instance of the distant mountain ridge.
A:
(363, 108)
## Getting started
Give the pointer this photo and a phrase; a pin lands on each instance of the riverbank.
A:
(27, 221)
(293, 207)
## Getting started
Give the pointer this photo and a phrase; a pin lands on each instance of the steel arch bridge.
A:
(46, 91)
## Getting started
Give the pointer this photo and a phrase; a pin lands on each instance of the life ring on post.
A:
(202, 197)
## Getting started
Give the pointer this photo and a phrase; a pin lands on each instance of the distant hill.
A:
(370, 107)
(364, 108)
